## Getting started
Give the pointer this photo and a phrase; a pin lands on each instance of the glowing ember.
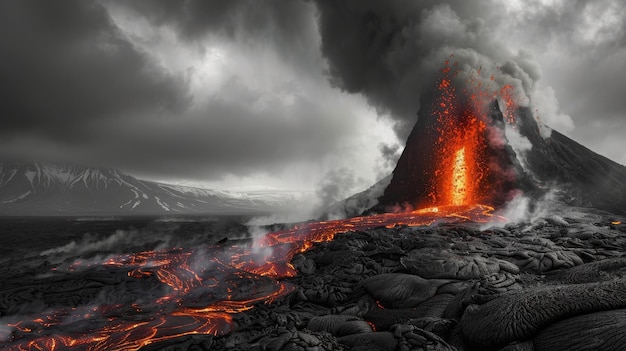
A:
(616, 222)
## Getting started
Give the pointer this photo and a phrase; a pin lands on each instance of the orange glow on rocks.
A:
(224, 271)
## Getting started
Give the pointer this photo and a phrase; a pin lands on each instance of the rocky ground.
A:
(558, 283)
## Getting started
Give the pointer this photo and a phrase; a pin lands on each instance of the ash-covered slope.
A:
(583, 177)
(358, 203)
(580, 176)
(67, 189)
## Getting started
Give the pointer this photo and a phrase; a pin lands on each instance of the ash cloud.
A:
(392, 51)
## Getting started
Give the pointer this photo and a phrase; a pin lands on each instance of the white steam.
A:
(522, 209)
(547, 111)
(304, 212)
(519, 143)
(91, 243)
(6, 327)
(258, 233)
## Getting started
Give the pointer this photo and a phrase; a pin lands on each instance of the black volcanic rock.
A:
(556, 283)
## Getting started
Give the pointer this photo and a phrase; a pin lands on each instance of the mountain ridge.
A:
(44, 189)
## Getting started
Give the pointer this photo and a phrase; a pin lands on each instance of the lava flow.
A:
(200, 290)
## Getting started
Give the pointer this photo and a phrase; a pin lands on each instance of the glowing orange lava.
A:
(460, 164)
(469, 142)
(459, 179)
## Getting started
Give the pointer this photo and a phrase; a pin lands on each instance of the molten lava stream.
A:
(206, 286)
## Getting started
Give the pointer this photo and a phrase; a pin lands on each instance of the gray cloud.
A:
(65, 63)
(287, 26)
(228, 136)
(85, 88)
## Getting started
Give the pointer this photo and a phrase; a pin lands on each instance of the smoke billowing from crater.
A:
(391, 53)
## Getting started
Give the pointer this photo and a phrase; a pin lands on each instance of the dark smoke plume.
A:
(390, 51)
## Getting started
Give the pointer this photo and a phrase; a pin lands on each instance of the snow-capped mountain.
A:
(68, 189)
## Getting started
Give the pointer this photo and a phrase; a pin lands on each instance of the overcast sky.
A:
(287, 93)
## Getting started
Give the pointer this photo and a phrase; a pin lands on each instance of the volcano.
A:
(458, 153)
